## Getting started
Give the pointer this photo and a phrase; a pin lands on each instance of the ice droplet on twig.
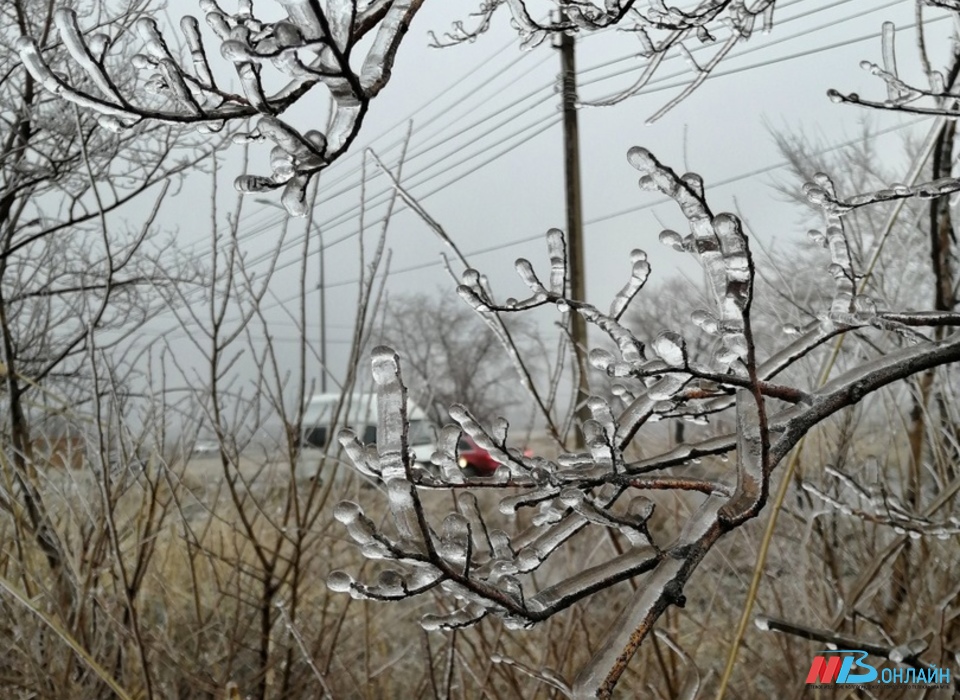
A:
(340, 582)
(671, 348)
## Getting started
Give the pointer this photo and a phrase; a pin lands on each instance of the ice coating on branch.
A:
(671, 348)
(591, 676)
(635, 559)
(294, 197)
(190, 28)
(446, 455)
(366, 463)
(391, 412)
(33, 62)
(528, 275)
(642, 408)
(751, 460)
(360, 527)
(340, 582)
(152, 39)
(660, 584)
(66, 21)
(111, 123)
(598, 442)
(302, 16)
(379, 60)
(601, 359)
(841, 267)
(602, 414)
(705, 321)
(289, 140)
(639, 272)
(455, 540)
(557, 251)
(464, 617)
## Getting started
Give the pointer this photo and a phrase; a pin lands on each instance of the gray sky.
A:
(485, 153)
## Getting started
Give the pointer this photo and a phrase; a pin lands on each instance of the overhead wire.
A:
(655, 88)
(546, 123)
(349, 214)
(380, 197)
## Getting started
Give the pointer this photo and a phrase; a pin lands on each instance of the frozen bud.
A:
(237, 51)
(98, 44)
(287, 33)
(143, 62)
(317, 139)
(706, 321)
(390, 583)
(294, 197)
(671, 348)
(601, 359)
(253, 183)
(110, 123)
(340, 582)
(347, 512)
(672, 239)
(571, 498)
(642, 159)
(470, 277)
(641, 508)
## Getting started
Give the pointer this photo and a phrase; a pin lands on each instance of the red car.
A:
(476, 461)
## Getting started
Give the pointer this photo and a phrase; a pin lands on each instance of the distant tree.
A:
(450, 356)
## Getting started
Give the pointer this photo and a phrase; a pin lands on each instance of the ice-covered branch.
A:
(937, 98)
(874, 503)
(907, 654)
(489, 572)
(312, 46)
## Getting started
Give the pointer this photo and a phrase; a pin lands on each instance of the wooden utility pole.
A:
(577, 282)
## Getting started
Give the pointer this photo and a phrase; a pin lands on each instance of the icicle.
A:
(639, 272)
(455, 540)
(557, 250)
(890, 57)
(528, 275)
(66, 21)
(446, 455)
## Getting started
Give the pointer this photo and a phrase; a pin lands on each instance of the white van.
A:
(360, 414)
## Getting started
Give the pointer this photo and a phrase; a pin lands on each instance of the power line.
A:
(651, 90)
(649, 205)
(546, 123)
(350, 213)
